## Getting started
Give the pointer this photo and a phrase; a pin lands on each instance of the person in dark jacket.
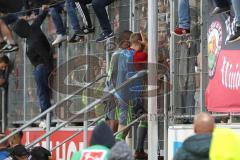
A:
(39, 54)
(197, 146)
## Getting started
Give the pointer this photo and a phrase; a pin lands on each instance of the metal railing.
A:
(50, 109)
(90, 106)
(137, 75)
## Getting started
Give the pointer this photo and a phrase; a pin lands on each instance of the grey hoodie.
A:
(120, 151)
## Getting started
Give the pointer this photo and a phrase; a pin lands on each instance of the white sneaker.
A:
(42, 125)
(60, 38)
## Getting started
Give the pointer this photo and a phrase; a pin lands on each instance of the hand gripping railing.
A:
(50, 109)
(90, 106)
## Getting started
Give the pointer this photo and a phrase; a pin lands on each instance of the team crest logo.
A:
(214, 46)
(93, 155)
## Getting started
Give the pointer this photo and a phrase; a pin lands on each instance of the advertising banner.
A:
(65, 151)
(223, 91)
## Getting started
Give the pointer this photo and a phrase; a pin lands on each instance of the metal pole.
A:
(165, 119)
(24, 81)
(173, 15)
(204, 51)
(131, 15)
(152, 80)
(85, 123)
(76, 133)
(48, 121)
(3, 110)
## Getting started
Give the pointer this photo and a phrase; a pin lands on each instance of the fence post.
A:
(3, 110)
(152, 80)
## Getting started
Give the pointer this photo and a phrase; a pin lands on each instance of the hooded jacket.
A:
(38, 50)
(101, 141)
(195, 148)
(102, 135)
(120, 151)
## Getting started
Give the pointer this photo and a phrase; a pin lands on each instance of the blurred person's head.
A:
(40, 153)
(5, 143)
(120, 151)
(124, 39)
(16, 139)
(135, 41)
(19, 152)
(203, 123)
(102, 135)
(4, 62)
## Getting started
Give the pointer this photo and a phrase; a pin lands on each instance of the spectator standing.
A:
(124, 43)
(39, 54)
(127, 96)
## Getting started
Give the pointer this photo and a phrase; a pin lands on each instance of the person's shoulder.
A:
(181, 154)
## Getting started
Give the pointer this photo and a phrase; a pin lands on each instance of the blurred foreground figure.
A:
(197, 146)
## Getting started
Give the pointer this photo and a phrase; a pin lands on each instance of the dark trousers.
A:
(41, 74)
(85, 12)
(101, 13)
(222, 3)
(100, 10)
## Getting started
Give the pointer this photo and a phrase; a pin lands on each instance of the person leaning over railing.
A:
(39, 54)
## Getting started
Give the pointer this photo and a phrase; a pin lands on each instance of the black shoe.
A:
(76, 38)
(219, 10)
(104, 36)
(236, 36)
(86, 30)
(2, 44)
(9, 48)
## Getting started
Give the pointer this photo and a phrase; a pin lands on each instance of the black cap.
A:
(19, 150)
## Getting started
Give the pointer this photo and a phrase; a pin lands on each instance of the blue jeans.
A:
(41, 74)
(236, 8)
(184, 14)
(70, 5)
(101, 13)
(57, 19)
